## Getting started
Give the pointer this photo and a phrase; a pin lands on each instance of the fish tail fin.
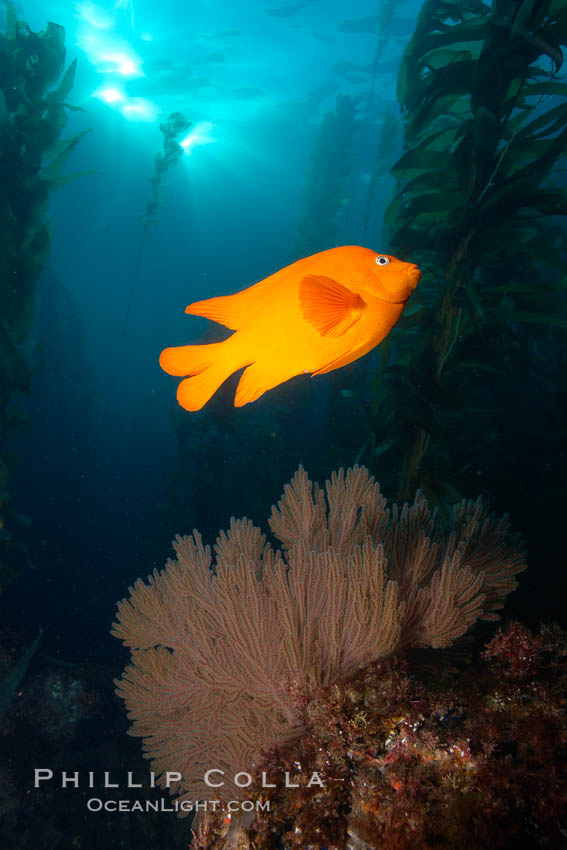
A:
(207, 365)
(193, 393)
(186, 360)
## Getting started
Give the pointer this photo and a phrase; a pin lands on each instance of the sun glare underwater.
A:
(283, 282)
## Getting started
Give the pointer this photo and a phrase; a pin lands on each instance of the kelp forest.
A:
(391, 620)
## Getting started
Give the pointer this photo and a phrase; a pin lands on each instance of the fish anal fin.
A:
(328, 306)
(255, 381)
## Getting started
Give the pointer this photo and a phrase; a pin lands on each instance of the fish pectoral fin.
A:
(328, 306)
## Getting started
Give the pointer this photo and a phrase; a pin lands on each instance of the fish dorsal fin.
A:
(328, 306)
(227, 310)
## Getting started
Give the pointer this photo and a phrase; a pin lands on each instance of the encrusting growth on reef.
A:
(440, 760)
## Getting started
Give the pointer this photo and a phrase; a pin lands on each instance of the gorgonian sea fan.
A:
(216, 644)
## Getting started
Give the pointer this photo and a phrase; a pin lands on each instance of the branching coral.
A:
(217, 649)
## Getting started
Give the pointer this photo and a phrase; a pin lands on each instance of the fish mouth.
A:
(414, 274)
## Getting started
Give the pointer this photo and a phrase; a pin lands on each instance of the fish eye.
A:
(382, 261)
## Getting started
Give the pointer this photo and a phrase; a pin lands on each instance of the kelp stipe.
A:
(33, 113)
(386, 151)
(475, 208)
(326, 188)
(172, 152)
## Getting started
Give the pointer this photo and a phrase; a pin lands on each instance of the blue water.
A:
(95, 464)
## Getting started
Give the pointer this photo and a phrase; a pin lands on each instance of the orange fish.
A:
(313, 316)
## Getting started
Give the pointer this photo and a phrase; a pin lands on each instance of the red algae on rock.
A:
(456, 760)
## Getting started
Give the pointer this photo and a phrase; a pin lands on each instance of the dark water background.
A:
(98, 468)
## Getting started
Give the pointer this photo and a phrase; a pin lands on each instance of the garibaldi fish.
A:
(311, 317)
